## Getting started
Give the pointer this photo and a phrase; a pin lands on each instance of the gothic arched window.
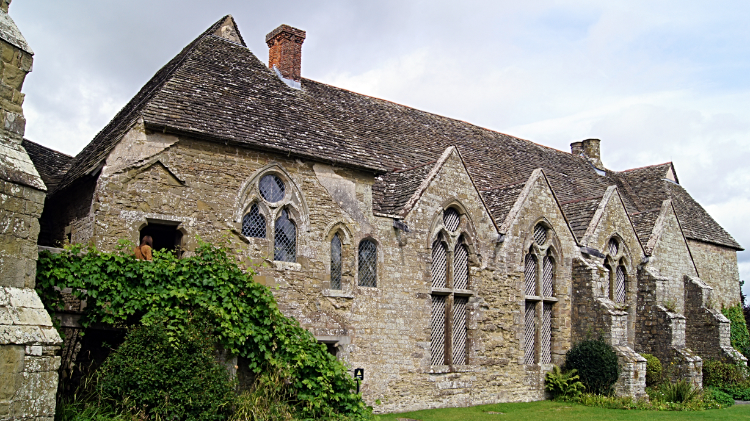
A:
(254, 223)
(368, 263)
(539, 288)
(285, 239)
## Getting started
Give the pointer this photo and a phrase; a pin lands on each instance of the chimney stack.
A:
(589, 149)
(285, 51)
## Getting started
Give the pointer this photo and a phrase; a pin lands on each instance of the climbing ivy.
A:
(740, 339)
(209, 286)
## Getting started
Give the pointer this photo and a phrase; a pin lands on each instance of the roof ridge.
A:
(436, 115)
(643, 168)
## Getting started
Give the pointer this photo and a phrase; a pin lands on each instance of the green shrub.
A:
(711, 394)
(242, 315)
(563, 384)
(152, 375)
(653, 370)
(720, 374)
(678, 392)
(739, 336)
(596, 363)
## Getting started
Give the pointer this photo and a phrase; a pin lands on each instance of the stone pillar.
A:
(28, 341)
(707, 331)
(593, 314)
(661, 329)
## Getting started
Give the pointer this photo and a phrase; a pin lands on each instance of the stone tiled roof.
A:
(579, 213)
(392, 190)
(218, 90)
(50, 164)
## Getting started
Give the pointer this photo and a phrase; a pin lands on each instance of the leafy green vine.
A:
(210, 286)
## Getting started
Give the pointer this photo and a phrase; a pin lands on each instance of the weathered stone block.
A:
(11, 366)
(24, 298)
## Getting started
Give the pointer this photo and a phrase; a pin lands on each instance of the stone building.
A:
(453, 263)
(28, 341)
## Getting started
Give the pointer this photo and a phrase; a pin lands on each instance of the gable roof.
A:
(218, 90)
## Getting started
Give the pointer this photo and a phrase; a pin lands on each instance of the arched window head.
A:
(254, 223)
(540, 234)
(285, 239)
(368, 263)
(451, 219)
(613, 247)
(271, 188)
(336, 262)
(461, 265)
(439, 266)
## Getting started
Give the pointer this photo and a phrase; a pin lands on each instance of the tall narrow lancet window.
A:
(336, 262)
(253, 223)
(461, 266)
(437, 330)
(459, 330)
(368, 263)
(529, 333)
(530, 274)
(439, 266)
(619, 295)
(285, 239)
(539, 287)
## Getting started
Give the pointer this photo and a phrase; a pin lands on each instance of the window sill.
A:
(337, 293)
(441, 291)
(445, 369)
(463, 292)
(278, 265)
(538, 298)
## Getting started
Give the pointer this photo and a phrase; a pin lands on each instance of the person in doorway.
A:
(143, 252)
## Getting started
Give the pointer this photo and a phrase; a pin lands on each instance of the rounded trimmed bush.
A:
(596, 363)
(151, 375)
(653, 370)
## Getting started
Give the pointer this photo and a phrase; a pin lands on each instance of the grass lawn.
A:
(548, 410)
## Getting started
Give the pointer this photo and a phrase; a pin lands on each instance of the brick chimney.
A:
(588, 149)
(285, 51)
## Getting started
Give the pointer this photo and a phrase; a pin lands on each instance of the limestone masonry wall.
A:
(717, 267)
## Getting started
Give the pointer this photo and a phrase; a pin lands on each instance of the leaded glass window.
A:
(439, 266)
(461, 266)
(530, 274)
(451, 219)
(540, 234)
(619, 295)
(548, 274)
(459, 330)
(254, 223)
(437, 330)
(529, 333)
(368, 259)
(613, 247)
(271, 188)
(336, 262)
(285, 239)
(545, 335)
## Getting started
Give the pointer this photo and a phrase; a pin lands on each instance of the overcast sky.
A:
(657, 81)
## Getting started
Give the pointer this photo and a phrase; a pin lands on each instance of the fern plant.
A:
(563, 384)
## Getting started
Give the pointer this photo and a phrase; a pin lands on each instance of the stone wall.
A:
(207, 188)
(28, 342)
(717, 267)
(661, 330)
(707, 330)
